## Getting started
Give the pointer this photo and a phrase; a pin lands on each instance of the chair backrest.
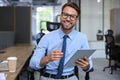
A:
(110, 42)
(52, 25)
(109, 38)
(110, 45)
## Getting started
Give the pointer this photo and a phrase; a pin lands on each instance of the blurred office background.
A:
(26, 18)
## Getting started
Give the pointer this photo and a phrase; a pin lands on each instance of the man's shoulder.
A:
(51, 34)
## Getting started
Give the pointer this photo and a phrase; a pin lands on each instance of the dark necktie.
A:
(61, 63)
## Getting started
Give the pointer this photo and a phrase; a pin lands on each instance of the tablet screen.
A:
(79, 54)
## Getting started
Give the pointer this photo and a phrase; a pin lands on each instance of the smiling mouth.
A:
(67, 22)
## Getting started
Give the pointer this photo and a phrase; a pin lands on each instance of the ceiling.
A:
(32, 2)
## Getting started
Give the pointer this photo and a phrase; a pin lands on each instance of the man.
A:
(53, 42)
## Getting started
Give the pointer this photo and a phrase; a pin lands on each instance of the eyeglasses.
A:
(72, 16)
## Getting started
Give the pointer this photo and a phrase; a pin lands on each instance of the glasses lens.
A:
(66, 15)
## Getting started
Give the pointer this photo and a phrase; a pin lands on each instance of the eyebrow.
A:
(70, 14)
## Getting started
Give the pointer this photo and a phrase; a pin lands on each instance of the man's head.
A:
(69, 16)
(73, 5)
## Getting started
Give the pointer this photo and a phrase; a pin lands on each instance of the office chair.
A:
(53, 26)
(109, 42)
(87, 76)
(41, 35)
(112, 51)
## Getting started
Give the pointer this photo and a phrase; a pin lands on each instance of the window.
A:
(43, 14)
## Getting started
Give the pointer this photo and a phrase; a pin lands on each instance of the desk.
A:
(22, 52)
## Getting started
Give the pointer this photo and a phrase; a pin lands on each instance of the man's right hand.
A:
(55, 55)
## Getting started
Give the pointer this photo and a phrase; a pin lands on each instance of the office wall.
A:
(6, 19)
(6, 39)
(115, 23)
(96, 15)
(18, 20)
(23, 24)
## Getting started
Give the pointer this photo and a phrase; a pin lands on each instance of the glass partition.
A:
(91, 18)
(95, 16)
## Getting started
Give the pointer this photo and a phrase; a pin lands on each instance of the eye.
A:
(65, 14)
(72, 16)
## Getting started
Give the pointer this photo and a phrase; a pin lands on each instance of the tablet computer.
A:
(79, 54)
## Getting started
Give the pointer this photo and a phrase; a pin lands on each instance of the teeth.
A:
(67, 22)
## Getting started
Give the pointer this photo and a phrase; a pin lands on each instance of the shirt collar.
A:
(71, 34)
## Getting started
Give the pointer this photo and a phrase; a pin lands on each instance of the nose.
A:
(68, 18)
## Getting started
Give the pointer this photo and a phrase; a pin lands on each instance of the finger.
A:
(58, 53)
(57, 56)
(58, 50)
(82, 62)
(86, 58)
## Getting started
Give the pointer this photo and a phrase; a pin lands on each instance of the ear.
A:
(77, 19)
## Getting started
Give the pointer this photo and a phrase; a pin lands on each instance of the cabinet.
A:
(18, 20)
(115, 23)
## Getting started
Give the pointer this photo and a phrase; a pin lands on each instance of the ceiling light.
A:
(98, 1)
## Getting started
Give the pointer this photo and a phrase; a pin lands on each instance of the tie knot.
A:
(65, 36)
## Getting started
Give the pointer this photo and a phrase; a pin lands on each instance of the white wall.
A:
(92, 20)
(92, 16)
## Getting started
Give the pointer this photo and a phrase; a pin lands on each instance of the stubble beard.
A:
(66, 28)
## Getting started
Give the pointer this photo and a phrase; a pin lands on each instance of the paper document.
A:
(2, 76)
(3, 66)
(79, 54)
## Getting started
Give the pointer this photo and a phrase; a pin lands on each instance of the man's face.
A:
(69, 17)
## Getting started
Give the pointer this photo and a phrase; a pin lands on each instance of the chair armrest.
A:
(87, 77)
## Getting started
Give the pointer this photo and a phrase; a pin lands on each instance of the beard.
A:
(65, 27)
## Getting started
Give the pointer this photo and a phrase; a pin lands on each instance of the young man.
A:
(53, 42)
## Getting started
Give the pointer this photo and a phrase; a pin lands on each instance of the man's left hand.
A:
(83, 63)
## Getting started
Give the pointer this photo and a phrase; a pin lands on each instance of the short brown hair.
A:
(73, 5)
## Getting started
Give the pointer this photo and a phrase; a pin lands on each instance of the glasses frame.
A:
(72, 16)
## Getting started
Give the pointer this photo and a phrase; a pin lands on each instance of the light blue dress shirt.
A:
(53, 41)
